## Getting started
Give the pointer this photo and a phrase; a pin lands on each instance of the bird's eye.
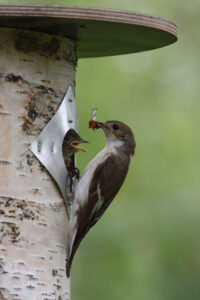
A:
(115, 127)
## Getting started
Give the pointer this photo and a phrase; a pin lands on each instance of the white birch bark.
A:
(35, 71)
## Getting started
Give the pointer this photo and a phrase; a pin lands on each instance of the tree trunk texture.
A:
(35, 72)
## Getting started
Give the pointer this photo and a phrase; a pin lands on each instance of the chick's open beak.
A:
(75, 144)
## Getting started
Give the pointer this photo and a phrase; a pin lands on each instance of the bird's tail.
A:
(80, 235)
(69, 260)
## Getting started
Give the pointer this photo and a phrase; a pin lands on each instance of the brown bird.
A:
(100, 181)
(69, 147)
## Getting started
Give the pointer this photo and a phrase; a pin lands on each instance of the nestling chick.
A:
(70, 146)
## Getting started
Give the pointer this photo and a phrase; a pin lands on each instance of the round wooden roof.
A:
(98, 32)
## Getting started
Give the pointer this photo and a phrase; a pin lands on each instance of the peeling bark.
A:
(35, 71)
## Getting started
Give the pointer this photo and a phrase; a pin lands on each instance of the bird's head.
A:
(72, 141)
(119, 134)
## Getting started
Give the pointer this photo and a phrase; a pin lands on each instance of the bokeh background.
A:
(147, 245)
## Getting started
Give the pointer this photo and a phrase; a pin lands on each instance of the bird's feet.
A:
(76, 173)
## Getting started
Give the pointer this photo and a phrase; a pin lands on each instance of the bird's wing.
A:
(111, 175)
(101, 193)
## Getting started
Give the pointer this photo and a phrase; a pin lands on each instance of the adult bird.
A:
(100, 182)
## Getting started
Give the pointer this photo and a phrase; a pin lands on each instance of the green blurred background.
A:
(147, 245)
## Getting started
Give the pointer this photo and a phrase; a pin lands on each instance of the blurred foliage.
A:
(147, 245)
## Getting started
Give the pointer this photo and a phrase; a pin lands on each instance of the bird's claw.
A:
(76, 173)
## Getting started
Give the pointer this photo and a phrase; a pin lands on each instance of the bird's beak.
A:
(75, 144)
(101, 125)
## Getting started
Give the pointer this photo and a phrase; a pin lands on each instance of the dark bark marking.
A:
(40, 257)
(19, 209)
(60, 246)
(32, 113)
(54, 272)
(9, 231)
(46, 81)
(30, 159)
(42, 224)
(42, 104)
(9, 201)
(28, 42)
(22, 175)
(5, 162)
(35, 191)
(41, 283)
(28, 162)
(13, 78)
(15, 277)
(4, 294)
(30, 286)
(61, 269)
(46, 294)
(52, 251)
(31, 277)
(58, 287)
(26, 60)
(21, 263)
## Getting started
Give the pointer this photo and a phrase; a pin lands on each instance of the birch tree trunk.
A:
(35, 71)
